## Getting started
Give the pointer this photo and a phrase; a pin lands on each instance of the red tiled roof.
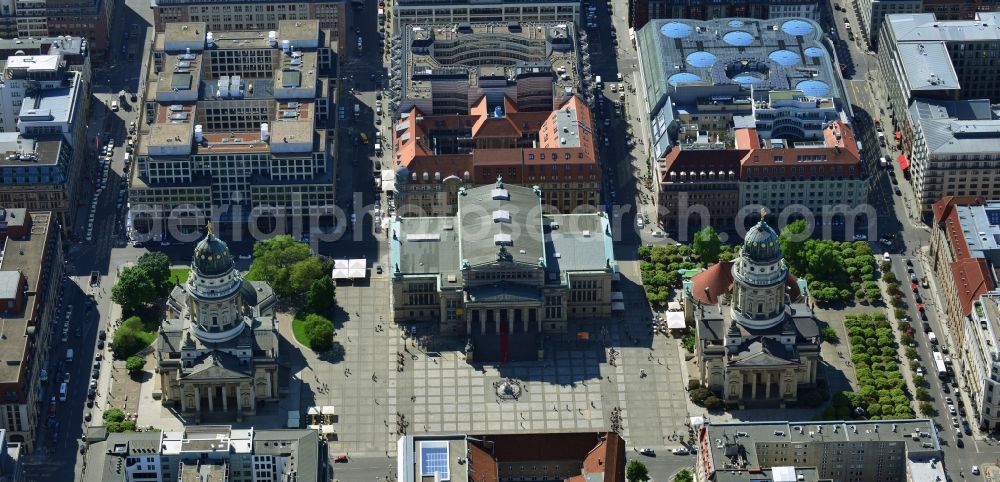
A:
(718, 278)
(514, 125)
(482, 464)
(698, 160)
(972, 280)
(747, 138)
(944, 206)
(839, 155)
(598, 456)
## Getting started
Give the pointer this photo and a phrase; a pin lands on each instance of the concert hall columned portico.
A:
(500, 272)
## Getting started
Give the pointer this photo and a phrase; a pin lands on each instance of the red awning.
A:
(904, 163)
(899, 135)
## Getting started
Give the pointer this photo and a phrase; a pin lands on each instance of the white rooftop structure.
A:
(35, 63)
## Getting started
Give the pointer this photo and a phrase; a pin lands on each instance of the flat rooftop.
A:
(925, 27)
(773, 54)
(22, 255)
(957, 127)
(527, 48)
(17, 151)
(927, 66)
(726, 440)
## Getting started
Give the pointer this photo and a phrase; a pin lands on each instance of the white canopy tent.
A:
(349, 268)
(675, 320)
(340, 269)
(356, 268)
(388, 180)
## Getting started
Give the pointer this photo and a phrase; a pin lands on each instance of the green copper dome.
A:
(761, 244)
(211, 256)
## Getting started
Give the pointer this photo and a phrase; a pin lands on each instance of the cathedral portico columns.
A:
(197, 397)
(225, 398)
(211, 399)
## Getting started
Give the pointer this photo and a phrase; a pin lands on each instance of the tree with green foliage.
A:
(113, 415)
(688, 343)
(923, 395)
(792, 239)
(135, 363)
(927, 410)
(302, 274)
(320, 332)
(707, 245)
(636, 471)
(321, 295)
(273, 260)
(684, 475)
(127, 340)
(699, 395)
(134, 289)
(829, 335)
(713, 403)
(157, 267)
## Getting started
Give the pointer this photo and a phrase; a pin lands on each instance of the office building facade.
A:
(405, 12)
(42, 146)
(232, 16)
(235, 122)
(642, 11)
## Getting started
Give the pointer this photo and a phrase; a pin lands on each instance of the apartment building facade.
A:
(859, 451)
(236, 121)
(206, 452)
(964, 257)
(30, 274)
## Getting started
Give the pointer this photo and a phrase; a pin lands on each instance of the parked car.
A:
(647, 451)
(680, 451)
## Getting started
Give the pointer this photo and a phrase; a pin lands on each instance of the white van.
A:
(114, 106)
(69, 355)
(883, 162)
(62, 392)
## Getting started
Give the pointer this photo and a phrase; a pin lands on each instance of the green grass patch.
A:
(299, 329)
(179, 275)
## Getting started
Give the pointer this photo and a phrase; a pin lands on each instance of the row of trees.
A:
(836, 271)
(661, 264)
(883, 393)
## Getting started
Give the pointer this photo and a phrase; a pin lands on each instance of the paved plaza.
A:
(574, 388)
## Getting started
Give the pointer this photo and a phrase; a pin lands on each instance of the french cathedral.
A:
(217, 349)
(757, 341)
